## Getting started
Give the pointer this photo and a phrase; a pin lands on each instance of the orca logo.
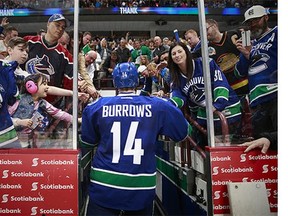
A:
(34, 211)
(5, 174)
(35, 161)
(40, 65)
(242, 157)
(265, 168)
(258, 63)
(215, 171)
(198, 95)
(5, 198)
(34, 186)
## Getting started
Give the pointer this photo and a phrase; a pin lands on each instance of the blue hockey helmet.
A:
(125, 75)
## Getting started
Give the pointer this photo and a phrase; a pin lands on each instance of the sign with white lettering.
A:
(231, 164)
(38, 182)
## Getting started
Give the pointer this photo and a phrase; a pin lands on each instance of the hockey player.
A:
(126, 128)
(259, 62)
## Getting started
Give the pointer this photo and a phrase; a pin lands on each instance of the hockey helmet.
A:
(125, 75)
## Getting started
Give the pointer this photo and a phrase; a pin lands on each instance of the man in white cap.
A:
(259, 63)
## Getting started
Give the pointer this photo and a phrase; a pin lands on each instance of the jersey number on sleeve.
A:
(136, 152)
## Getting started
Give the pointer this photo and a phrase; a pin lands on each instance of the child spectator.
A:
(8, 91)
(33, 114)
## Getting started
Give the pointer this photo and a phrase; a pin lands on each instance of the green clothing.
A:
(135, 55)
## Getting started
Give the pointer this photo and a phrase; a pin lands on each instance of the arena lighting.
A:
(129, 10)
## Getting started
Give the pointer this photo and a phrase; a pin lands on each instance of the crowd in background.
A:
(14, 4)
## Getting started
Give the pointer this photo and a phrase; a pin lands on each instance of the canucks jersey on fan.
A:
(54, 61)
(261, 68)
(125, 128)
(8, 93)
(193, 91)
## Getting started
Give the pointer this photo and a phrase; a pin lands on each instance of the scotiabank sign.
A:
(39, 182)
(231, 164)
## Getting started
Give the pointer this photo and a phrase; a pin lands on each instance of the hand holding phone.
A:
(246, 40)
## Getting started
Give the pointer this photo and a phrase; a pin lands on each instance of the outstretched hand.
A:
(4, 22)
(262, 143)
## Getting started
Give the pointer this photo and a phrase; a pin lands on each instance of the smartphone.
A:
(246, 40)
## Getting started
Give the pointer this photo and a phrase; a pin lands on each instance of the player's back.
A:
(126, 128)
(132, 121)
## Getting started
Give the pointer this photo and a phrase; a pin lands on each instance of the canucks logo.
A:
(40, 65)
(197, 95)
(124, 75)
(251, 12)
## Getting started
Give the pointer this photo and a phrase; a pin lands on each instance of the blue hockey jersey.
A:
(261, 68)
(8, 93)
(126, 128)
(192, 92)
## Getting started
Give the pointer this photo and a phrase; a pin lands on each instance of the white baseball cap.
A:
(255, 12)
(141, 68)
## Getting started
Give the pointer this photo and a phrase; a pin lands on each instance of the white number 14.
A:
(136, 152)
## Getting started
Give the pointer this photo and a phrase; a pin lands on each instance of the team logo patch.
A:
(251, 12)
(124, 75)
(40, 65)
(211, 51)
(197, 95)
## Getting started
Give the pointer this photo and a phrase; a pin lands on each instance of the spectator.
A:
(48, 57)
(86, 39)
(188, 88)
(222, 48)
(27, 118)
(109, 65)
(9, 32)
(259, 63)
(91, 59)
(105, 51)
(124, 166)
(193, 40)
(64, 40)
(85, 82)
(123, 52)
(166, 42)
(159, 48)
(8, 93)
(138, 51)
(3, 24)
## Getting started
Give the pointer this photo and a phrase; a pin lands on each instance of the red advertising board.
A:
(38, 182)
(231, 164)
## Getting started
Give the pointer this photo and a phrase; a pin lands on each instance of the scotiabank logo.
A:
(5, 198)
(35, 162)
(242, 157)
(5, 174)
(34, 186)
(217, 194)
(215, 171)
(245, 179)
(34, 211)
(265, 168)
(231, 170)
